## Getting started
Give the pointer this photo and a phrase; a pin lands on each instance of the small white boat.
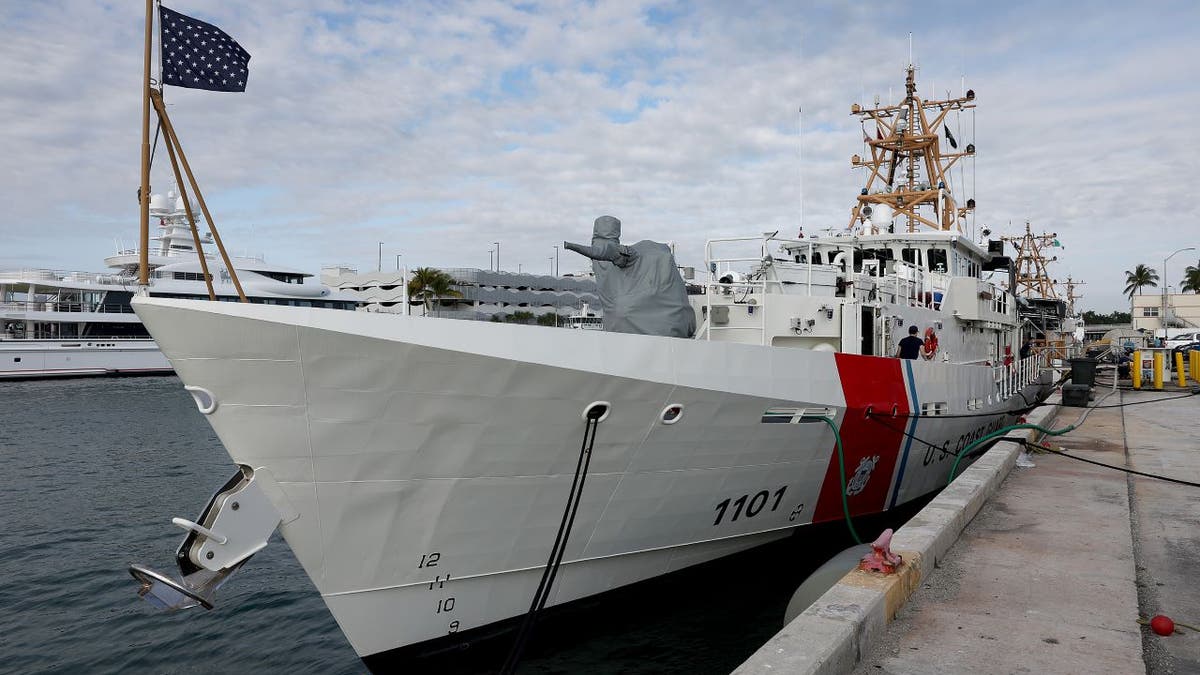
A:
(585, 319)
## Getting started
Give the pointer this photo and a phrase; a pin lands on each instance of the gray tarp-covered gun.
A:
(639, 286)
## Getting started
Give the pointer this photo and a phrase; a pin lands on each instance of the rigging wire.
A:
(1194, 392)
(800, 145)
(1033, 446)
(942, 449)
(1041, 448)
(800, 159)
(973, 192)
(153, 152)
(962, 172)
(154, 147)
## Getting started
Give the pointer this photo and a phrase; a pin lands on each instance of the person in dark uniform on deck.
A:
(910, 347)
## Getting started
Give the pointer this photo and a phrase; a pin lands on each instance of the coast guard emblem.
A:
(862, 474)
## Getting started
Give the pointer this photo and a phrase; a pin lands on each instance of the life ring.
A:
(929, 349)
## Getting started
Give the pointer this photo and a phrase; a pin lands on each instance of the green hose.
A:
(837, 435)
(842, 471)
(1002, 431)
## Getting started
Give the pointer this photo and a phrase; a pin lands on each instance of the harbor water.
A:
(94, 469)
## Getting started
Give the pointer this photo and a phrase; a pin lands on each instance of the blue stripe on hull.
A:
(912, 427)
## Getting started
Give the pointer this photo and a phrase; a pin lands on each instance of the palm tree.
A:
(1191, 279)
(1139, 278)
(428, 284)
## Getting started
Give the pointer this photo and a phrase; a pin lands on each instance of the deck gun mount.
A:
(236, 524)
(640, 288)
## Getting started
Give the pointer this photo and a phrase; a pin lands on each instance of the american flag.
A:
(199, 55)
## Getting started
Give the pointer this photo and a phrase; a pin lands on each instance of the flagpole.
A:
(144, 190)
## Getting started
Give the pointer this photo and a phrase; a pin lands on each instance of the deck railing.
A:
(54, 306)
(171, 253)
(46, 336)
(1015, 376)
(719, 265)
(33, 275)
(909, 284)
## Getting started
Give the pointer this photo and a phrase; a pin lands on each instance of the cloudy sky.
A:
(440, 128)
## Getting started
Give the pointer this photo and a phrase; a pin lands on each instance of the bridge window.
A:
(882, 255)
(937, 260)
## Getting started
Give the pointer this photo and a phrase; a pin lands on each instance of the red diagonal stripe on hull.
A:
(878, 383)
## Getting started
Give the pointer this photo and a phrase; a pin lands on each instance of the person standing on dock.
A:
(910, 347)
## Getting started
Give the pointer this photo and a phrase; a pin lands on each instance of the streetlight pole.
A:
(497, 255)
(491, 262)
(398, 262)
(551, 266)
(1163, 319)
(379, 268)
(556, 260)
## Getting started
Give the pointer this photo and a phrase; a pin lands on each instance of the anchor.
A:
(236, 524)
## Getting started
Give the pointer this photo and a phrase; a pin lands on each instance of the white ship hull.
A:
(422, 465)
(28, 359)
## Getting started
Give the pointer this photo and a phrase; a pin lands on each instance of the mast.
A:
(1033, 277)
(1071, 285)
(908, 169)
(144, 190)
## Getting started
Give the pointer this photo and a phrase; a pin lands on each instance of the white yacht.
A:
(585, 319)
(421, 468)
(60, 323)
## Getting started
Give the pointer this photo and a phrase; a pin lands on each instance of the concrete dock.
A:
(1051, 574)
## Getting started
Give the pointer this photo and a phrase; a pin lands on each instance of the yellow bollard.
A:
(1158, 370)
(1136, 371)
(1194, 362)
(1179, 369)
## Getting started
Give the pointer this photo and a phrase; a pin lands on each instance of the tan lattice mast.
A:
(1033, 277)
(908, 170)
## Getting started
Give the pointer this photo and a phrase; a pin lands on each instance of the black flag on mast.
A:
(198, 55)
(950, 137)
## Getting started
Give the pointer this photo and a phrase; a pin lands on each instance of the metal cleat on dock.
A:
(881, 559)
(233, 527)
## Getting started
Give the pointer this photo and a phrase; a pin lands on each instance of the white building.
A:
(1154, 312)
(485, 293)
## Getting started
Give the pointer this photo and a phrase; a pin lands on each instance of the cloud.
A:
(439, 128)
